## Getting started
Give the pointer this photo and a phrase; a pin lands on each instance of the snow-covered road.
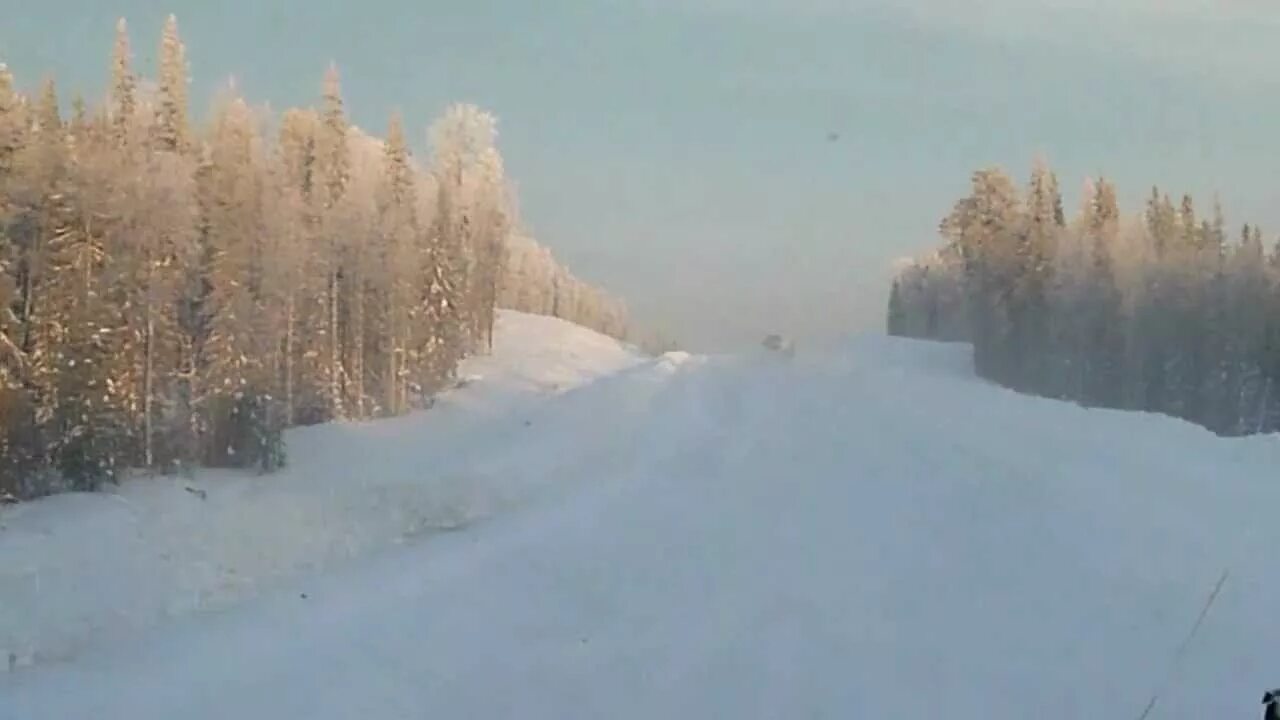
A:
(869, 533)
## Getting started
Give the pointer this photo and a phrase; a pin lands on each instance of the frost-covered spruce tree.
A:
(332, 173)
(984, 228)
(172, 131)
(17, 451)
(399, 266)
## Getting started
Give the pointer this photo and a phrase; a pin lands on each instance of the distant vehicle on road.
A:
(780, 344)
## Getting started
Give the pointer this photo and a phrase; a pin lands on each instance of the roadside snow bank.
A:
(76, 566)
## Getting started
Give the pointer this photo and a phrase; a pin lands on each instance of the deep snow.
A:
(78, 566)
(869, 532)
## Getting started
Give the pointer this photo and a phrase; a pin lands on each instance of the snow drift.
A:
(80, 565)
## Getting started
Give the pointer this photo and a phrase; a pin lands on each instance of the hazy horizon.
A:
(678, 153)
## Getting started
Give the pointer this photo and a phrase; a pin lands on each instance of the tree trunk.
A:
(357, 342)
(148, 382)
(288, 359)
(1263, 406)
(393, 340)
(335, 357)
(147, 369)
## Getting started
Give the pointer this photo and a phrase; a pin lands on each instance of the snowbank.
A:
(78, 566)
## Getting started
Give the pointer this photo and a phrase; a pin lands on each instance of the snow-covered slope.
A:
(73, 567)
(870, 533)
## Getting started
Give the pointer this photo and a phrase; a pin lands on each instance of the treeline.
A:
(534, 282)
(1165, 311)
(174, 295)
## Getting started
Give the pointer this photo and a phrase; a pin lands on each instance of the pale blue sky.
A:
(675, 150)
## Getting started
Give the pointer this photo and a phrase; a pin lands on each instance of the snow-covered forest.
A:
(1166, 310)
(175, 293)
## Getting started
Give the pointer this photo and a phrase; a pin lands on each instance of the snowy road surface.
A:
(868, 533)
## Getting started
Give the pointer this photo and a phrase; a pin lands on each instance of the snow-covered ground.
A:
(864, 533)
(75, 567)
